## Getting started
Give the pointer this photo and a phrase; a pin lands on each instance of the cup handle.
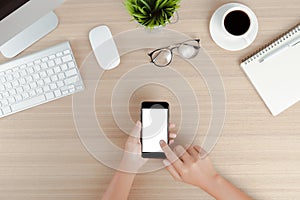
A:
(247, 39)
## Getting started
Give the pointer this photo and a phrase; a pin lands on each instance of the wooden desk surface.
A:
(41, 156)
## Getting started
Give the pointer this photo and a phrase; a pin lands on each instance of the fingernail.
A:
(161, 142)
(166, 162)
(173, 135)
(171, 141)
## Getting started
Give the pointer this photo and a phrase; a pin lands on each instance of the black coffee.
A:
(237, 22)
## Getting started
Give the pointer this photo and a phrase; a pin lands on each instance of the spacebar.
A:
(28, 103)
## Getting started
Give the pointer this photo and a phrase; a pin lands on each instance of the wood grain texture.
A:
(41, 156)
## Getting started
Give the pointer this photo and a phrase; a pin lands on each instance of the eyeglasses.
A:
(163, 57)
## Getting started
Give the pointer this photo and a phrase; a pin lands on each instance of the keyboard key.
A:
(44, 66)
(50, 72)
(37, 68)
(65, 92)
(57, 69)
(39, 90)
(40, 82)
(18, 98)
(9, 77)
(22, 81)
(37, 61)
(32, 93)
(35, 76)
(23, 66)
(29, 64)
(71, 80)
(12, 92)
(71, 65)
(20, 90)
(26, 87)
(61, 76)
(2, 79)
(33, 85)
(6, 110)
(28, 103)
(67, 52)
(51, 63)
(11, 100)
(49, 95)
(29, 70)
(16, 75)
(29, 79)
(58, 61)
(25, 95)
(47, 80)
(51, 57)
(23, 73)
(46, 88)
(60, 84)
(54, 78)
(53, 86)
(4, 102)
(67, 58)
(43, 74)
(59, 54)
(64, 67)
(45, 59)
(70, 72)
(57, 93)
(8, 85)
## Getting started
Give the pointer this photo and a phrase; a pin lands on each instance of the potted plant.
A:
(152, 13)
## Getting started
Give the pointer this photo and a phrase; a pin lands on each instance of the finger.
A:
(202, 152)
(171, 156)
(136, 131)
(182, 154)
(172, 135)
(171, 141)
(193, 152)
(172, 125)
(197, 148)
(172, 170)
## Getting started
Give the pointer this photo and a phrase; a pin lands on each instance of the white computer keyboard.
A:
(38, 78)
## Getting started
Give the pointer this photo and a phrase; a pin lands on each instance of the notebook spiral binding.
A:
(270, 45)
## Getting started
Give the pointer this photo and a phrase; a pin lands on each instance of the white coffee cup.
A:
(243, 12)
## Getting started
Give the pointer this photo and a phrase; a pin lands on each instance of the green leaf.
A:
(146, 4)
(151, 13)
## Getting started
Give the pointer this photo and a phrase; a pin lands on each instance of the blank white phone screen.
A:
(155, 128)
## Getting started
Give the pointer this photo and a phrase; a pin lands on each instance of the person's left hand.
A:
(132, 159)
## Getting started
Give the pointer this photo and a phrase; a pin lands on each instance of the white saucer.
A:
(221, 37)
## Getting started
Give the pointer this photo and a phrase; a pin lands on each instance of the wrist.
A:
(127, 166)
(212, 184)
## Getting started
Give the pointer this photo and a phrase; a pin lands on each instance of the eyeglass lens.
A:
(188, 49)
(162, 57)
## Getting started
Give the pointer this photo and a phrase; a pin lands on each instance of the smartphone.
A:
(155, 127)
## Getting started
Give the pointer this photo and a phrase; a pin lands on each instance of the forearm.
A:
(119, 187)
(221, 189)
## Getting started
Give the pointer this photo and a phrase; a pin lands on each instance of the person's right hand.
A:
(186, 165)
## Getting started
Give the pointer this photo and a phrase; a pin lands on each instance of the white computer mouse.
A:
(104, 47)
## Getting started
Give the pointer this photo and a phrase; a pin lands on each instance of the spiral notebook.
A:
(274, 71)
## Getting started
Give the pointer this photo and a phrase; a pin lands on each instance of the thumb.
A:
(136, 131)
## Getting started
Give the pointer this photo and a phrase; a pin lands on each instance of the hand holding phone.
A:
(155, 124)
